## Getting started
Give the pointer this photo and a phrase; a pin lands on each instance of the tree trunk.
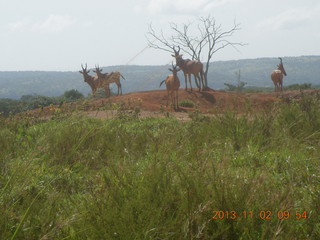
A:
(206, 75)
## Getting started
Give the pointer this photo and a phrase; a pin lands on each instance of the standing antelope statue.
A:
(172, 85)
(93, 81)
(189, 67)
(107, 78)
(277, 76)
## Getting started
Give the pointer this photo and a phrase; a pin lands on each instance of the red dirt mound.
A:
(207, 101)
(155, 101)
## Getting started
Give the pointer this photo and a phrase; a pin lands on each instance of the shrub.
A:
(297, 86)
(73, 95)
(131, 178)
(235, 88)
(187, 103)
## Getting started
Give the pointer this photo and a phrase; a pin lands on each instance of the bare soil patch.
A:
(153, 103)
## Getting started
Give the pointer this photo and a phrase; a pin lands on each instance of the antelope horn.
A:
(175, 51)
(178, 52)
(84, 68)
(280, 60)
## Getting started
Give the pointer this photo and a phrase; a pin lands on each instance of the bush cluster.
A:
(131, 178)
(29, 102)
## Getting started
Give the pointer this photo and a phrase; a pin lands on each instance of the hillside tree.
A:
(198, 40)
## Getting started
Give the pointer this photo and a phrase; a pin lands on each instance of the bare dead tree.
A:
(159, 41)
(199, 43)
(216, 38)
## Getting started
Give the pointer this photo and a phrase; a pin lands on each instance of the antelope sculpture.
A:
(189, 67)
(172, 85)
(93, 81)
(277, 76)
(107, 78)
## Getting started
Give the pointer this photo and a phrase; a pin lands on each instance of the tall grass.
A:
(130, 178)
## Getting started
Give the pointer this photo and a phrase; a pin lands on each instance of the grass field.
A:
(229, 176)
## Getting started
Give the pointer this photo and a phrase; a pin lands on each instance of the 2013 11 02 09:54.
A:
(263, 214)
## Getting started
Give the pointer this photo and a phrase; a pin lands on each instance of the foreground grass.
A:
(129, 178)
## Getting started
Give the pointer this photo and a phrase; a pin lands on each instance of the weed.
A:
(187, 103)
(131, 178)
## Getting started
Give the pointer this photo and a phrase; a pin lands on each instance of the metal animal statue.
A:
(93, 81)
(172, 84)
(277, 76)
(189, 67)
(107, 78)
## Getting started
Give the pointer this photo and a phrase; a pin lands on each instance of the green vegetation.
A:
(26, 102)
(29, 102)
(131, 178)
(302, 86)
(187, 103)
(252, 89)
(235, 88)
(73, 95)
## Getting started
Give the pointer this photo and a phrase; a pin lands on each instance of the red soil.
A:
(153, 102)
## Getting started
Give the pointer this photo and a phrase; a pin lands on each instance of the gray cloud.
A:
(292, 18)
(52, 24)
(189, 7)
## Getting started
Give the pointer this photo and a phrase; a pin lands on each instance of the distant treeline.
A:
(29, 102)
(254, 72)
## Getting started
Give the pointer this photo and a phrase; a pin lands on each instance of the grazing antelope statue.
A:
(107, 78)
(93, 81)
(189, 67)
(277, 76)
(172, 85)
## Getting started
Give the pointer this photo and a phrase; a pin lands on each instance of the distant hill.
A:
(255, 72)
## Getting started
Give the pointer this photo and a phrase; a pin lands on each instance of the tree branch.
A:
(210, 39)
(163, 43)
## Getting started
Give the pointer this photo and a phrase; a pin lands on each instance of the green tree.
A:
(72, 95)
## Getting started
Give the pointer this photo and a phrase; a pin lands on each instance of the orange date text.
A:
(263, 214)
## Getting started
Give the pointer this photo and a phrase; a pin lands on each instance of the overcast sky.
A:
(59, 35)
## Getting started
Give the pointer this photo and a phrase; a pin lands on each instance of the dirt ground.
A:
(153, 103)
